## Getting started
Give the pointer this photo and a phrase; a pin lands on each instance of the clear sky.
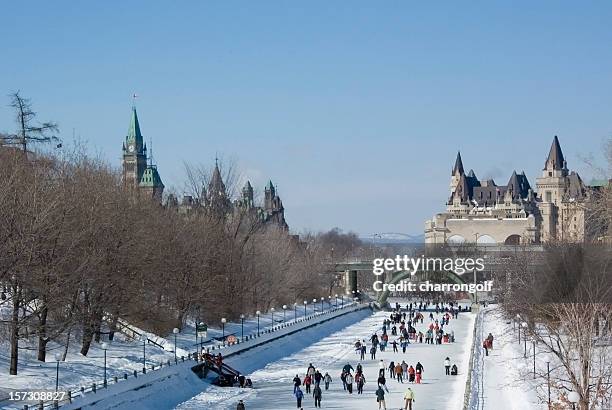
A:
(355, 109)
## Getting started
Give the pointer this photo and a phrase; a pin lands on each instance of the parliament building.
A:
(141, 174)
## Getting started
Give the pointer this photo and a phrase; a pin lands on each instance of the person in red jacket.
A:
(307, 382)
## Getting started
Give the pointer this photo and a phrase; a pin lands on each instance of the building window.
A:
(548, 196)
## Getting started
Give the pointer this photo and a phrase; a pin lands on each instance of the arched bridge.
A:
(350, 268)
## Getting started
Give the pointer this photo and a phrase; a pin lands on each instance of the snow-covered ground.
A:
(505, 382)
(123, 355)
(273, 379)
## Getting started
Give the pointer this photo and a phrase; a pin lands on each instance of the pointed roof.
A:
(151, 178)
(216, 185)
(134, 129)
(518, 185)
(555, 158)
(458, 165)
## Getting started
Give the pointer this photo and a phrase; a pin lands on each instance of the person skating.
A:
(327, 380)
(307, 383)
(311, 370)
(399, 373)
(382, 382)
(317, 394)
(408, 399)
(381, 367)
(485, 345)
(447, 365)
(363, 351)
(359, 368)
(296, 382)
(240, 405)
(392, 369)
(411, 374)
(404, 369)
(299, 395)
(380, 398)
(454, 370)
(490, 339)
(394, 344)
(373, 352)
(348, 368)
(317, 377)
(349, 383)
(360, 381)
(343, 378)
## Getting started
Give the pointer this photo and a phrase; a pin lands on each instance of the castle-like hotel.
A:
(141, 174)
(483, 212)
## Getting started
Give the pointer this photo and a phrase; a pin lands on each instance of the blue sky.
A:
(355, 109)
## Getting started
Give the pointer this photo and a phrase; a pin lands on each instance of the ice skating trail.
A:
(273, 381)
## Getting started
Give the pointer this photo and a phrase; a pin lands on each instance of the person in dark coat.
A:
(317, 394)
(297, 382)
(299, 395)
(240, 406)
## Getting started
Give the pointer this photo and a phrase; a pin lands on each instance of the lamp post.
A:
(322, 300)
(547, 359)
(314, 306)
(58, 357)
(295, 311)
(336, 300)
(284, 312)
(104, 347)
(534, 354)
(223, 321)
(258, 313)
(574, 398)
(305, 303)
(143, 338)
(272, 310)
(518, 317)
(524, 326)
(176, 332)
(242, 327)
(342, 299)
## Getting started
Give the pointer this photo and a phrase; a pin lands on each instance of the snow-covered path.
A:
(503, 377)
(273, 383)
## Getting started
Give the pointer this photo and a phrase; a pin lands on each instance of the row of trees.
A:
(78, 251)
(563, 296)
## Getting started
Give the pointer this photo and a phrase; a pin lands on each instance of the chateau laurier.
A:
(487, 213)
(141, 174)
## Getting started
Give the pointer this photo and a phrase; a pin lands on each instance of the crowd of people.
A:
(397, 331)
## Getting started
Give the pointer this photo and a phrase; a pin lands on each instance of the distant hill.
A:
(392, 238)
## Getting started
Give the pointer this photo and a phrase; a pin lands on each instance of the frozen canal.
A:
(273, 388)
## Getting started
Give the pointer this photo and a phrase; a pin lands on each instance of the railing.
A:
(471, 398)
(193, 357)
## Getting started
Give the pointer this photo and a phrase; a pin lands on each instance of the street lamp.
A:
(223, 321)
(104, 347)
(284, 312)
(574, 398)
(547, 360)
(143, 338)
(322, 300)
(314, 306)
(295, 311)
(258, 313)
(175, 331)
(241, 327)
(342, 299)
(305, 303)
(524, 326)
(58, 357)
(272, 310)
(336, 300)
(534, 355)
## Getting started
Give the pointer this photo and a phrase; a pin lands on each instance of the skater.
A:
(399, 372)
(343, 378)
(359, 368)
(408, 399)
(299, 396)
(394, 344)
(363, 351)
(485, 345)
(311, 370)
(490, 339)
(349, 383)
(380, 398)
(317, 377)
(373, 352)
(360, 380)
(447, 366)
(317, 393)
(454, 370)
(411, 374)
(348, 368)
(392, 369)
(382, 382)
(381, 367)
(327, 380)
(296, 382)
(404, 369)
(240, 405)
(307, 383)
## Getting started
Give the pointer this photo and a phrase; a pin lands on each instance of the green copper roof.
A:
(151, 178)
(134, 130)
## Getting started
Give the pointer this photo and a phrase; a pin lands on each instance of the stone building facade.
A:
(483, 212)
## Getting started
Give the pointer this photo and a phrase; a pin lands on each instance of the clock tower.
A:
(134, 153)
